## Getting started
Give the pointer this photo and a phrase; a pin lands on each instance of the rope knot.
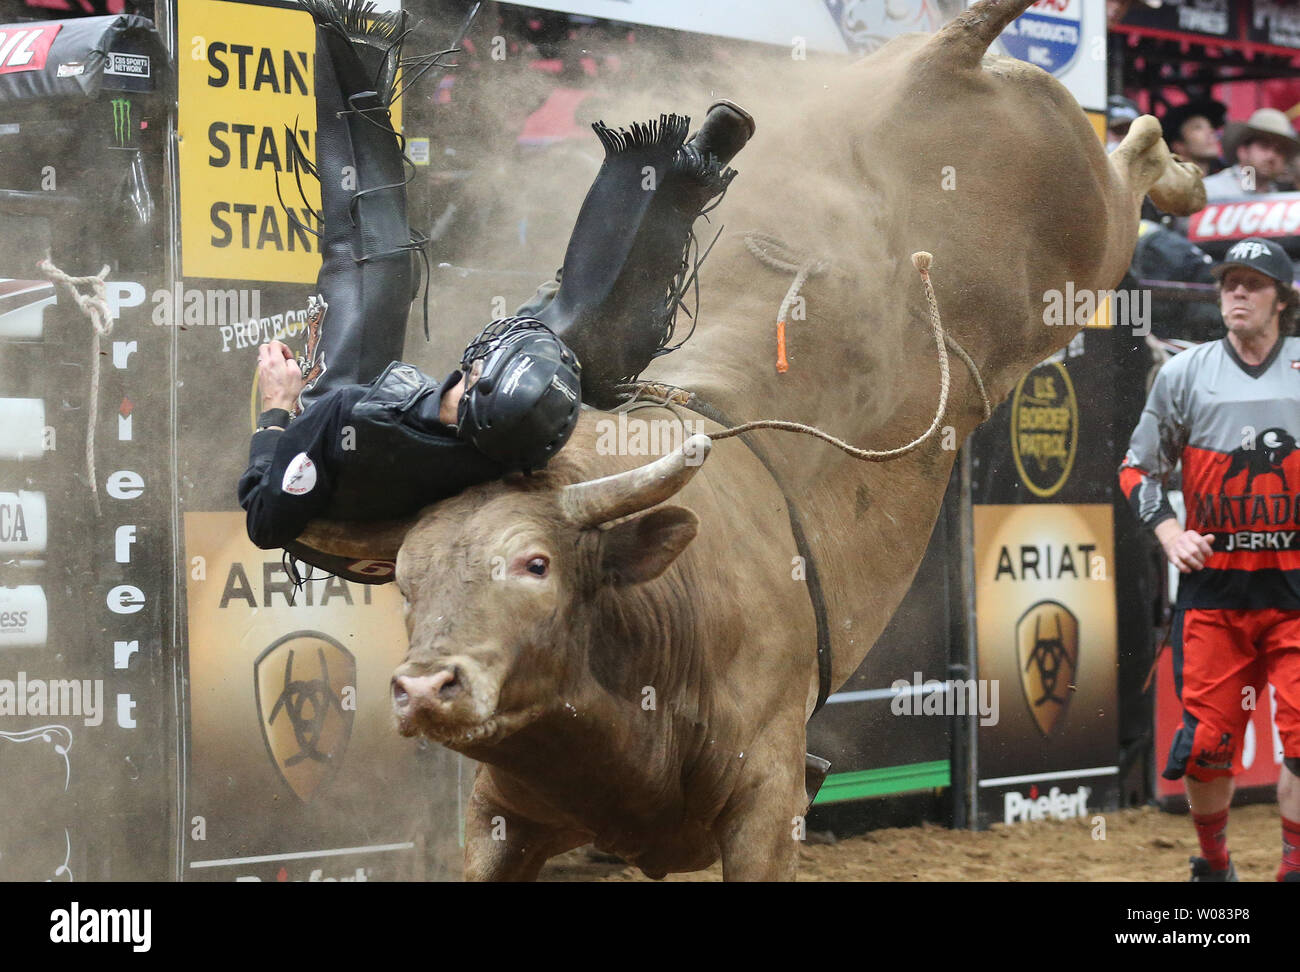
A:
(95, 306)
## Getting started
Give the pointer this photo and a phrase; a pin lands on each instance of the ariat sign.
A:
(1055, 805)
(1046, 621)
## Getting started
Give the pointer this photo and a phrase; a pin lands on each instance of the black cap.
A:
(1173, 120)
(1257, 253)
(1121, 111)
(525, 403)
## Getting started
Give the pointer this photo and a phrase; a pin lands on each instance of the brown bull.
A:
(639, 675)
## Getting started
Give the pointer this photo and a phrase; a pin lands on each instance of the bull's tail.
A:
(1144, 165)
(964, 41)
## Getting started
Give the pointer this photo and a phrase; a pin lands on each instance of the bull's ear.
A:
(640, 548)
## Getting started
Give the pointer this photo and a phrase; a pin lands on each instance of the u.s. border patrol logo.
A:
(305, 685)
(1049, 34)
(1047, 647)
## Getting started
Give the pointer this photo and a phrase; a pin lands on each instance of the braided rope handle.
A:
(95, 306)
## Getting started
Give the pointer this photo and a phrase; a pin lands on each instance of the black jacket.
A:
(332, 463)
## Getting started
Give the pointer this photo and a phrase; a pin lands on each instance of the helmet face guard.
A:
(525, 403)
(496, 335)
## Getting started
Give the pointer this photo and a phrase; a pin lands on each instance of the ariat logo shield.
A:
(305, 686)
(1047, 646)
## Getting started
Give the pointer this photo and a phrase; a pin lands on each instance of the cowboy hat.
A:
(1266, 122)
(1173, 120)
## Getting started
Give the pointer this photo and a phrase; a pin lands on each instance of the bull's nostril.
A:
(452, 686)
(400, 696)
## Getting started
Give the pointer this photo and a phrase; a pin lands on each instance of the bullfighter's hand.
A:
(278, 375)
(1189, 550)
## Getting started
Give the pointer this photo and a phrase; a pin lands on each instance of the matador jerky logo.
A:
(306, 699)
(1047, 647)
(1044, 429)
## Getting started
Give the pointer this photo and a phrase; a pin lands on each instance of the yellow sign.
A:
(1045, 429)
(244, 76)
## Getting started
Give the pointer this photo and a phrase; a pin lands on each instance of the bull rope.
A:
(95, 306)
(773, 253)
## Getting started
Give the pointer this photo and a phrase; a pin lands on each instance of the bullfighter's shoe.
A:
(1201, 871)
(628, 264)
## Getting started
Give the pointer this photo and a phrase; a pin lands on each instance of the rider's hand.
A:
(1188, 550)
(278, 376)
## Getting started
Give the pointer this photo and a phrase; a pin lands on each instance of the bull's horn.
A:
(379, 540)
(968, 36)
(601, 500)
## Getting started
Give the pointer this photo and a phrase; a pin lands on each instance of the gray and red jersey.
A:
(1233, 427)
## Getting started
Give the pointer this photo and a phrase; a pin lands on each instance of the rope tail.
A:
(95, 306)
(921, 260)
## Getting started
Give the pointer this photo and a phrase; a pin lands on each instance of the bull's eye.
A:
(538, 566)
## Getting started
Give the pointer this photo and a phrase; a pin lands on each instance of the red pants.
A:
(1218, 654)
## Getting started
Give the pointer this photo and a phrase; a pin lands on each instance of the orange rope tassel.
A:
(782, 366)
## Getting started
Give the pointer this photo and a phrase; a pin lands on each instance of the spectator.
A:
(1262, 147)
(1192, 132)
(1121, 112)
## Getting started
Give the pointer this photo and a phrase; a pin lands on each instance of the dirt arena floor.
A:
(1144, 844)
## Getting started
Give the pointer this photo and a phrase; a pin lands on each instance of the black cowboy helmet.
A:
(525, 403)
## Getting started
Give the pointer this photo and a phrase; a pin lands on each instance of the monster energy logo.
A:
(121, 120)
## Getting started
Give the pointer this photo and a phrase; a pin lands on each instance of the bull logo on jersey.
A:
(1270, 451)
(1047, 643)
(305, 687)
